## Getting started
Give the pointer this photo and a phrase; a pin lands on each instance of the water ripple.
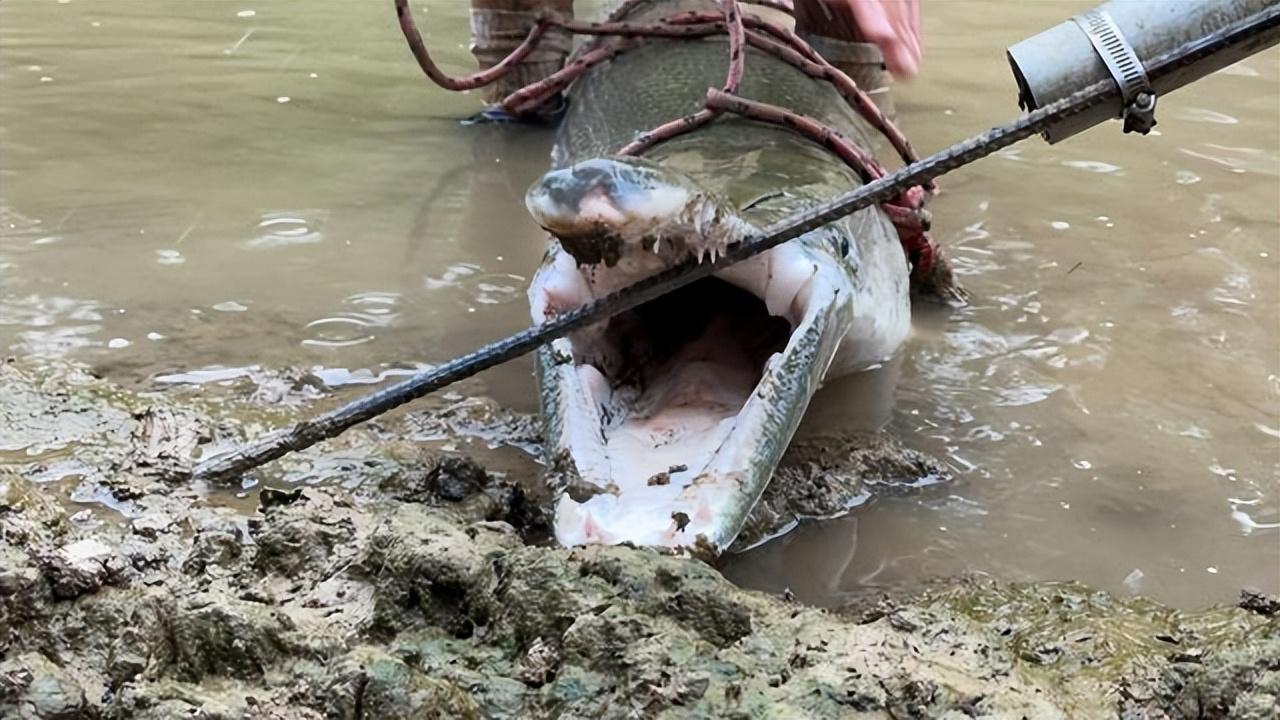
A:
(1199, 114)
(1239, 159)
(370, 311)
(282, 229)
(1096, 166)
(480, 287)
(54, 325)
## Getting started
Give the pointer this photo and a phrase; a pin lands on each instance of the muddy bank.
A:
(421, 590)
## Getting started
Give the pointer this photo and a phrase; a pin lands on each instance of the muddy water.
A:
(191, 192)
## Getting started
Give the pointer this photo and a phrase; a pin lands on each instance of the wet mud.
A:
(418, 583)
(821, 478)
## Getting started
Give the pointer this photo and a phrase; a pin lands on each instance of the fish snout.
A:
(598, 206)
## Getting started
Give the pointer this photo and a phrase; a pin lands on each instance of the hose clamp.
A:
(1137, 97)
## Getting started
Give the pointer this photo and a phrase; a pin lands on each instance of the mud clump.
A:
(292, 543)
(1259, 602)
(1240, 683)
(418, 593)
(223, 637)
(448, 478)
(824, 478)
(409, 609)
(460, 481)
(384, 686)
(428, 573)
(39, 688)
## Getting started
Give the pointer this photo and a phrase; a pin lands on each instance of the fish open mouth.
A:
(666, 421)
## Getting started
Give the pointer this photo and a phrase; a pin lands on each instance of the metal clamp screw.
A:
(1140, 114)
(1137, 99)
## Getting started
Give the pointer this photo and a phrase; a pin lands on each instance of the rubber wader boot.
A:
(499, 26)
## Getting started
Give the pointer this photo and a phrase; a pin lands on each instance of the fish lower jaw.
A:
(675, 413)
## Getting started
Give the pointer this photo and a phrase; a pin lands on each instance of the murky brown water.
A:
(189, 190)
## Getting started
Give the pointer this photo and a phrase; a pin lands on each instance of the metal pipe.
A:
(1113, 38)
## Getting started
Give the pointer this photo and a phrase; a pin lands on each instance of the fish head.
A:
(602, 210)
(667, 421)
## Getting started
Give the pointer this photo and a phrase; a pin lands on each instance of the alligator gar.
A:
(664, 424)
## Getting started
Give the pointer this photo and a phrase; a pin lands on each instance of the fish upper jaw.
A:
(610, 210)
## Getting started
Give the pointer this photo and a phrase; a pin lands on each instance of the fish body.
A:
(663, 425)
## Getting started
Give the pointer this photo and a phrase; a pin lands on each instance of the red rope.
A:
(613, 37)
(733, 24)
(532, 96)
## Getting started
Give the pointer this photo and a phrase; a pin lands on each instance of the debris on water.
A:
(483, 420)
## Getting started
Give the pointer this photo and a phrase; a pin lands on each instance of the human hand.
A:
(893, 25)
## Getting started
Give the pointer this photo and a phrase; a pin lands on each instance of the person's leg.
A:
(499, 26)
(832, 28)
